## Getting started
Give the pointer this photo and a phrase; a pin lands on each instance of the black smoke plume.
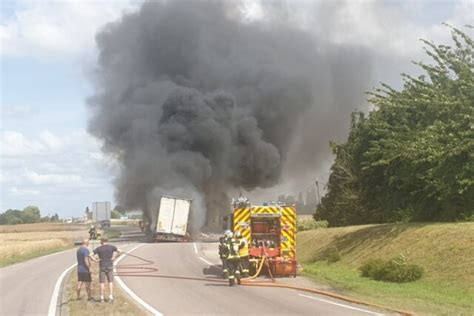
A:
(197, 98)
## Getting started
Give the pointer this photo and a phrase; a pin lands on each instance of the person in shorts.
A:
(83, 269)
(107, 254)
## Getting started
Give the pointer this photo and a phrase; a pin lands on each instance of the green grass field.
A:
(445, 251)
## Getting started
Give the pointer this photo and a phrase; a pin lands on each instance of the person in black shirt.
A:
(106, 253)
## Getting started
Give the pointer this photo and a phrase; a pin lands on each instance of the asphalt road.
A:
(26, 288)
(171, 294)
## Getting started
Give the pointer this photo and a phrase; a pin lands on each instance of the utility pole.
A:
(317, 190)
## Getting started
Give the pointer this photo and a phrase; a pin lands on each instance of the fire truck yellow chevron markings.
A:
(238, 216)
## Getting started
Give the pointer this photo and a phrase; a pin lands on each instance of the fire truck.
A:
(270, 230)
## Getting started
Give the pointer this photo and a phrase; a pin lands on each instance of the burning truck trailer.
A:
(172, 220)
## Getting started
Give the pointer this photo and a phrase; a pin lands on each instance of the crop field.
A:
(22, 242)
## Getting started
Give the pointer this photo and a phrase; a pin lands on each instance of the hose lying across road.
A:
(250, 281)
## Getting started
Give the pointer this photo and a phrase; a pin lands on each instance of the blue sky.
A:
(48, 52)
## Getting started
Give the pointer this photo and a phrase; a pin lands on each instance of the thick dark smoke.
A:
(194, 98)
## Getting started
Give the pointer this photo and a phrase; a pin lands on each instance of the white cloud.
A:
(57, 28)
(23, 192)
(36, 178)
(52, 141)
(386, 27)
(53, 171)
(15, 143)
(15, 111)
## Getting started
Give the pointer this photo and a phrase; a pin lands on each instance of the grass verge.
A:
(422, 297)
(122, 305)
(445, 251)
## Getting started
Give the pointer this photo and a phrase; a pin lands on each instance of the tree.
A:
(115, 214)
(412, 158)
(120, 209)
(31, 214)
(55, 217)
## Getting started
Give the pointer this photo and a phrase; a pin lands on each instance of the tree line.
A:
(412, 157)
(30, 214)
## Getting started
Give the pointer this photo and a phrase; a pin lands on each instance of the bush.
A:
(394, 270)
(371, 268)
(333, 255)
(308, 224)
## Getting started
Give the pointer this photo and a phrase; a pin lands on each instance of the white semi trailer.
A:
(101, 213)
(172, 221)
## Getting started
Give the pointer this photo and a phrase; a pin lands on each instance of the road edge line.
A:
(132, 294)
(53, 303)
(341, 305)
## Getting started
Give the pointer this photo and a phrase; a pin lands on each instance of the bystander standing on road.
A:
(83, 269)
(106, 253)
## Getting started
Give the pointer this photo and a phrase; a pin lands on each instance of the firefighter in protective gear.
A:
(243, 254)
(224, 254)
(233, 260)
(92, 233)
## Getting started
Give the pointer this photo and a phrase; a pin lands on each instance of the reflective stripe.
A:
(244, 251)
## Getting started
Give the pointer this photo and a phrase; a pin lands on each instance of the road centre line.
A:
(195, 247)
(53, 303)
(339, 304)
(130, 292)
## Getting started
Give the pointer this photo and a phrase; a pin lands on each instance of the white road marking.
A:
(53, 303)
(130, 292)
(338, 304)
(206, 261)
(195, 247)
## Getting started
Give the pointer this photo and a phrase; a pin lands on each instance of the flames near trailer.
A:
(271, 233)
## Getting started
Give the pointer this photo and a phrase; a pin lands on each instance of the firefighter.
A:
(233, 259)
(92, 232)
(243, 254)
(223, 254)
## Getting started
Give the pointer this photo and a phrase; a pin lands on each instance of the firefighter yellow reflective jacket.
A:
(233, 246)
(243, 247)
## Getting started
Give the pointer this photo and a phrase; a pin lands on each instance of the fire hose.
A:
(245, 282)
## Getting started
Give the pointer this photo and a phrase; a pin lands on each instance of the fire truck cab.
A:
(270, 230)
